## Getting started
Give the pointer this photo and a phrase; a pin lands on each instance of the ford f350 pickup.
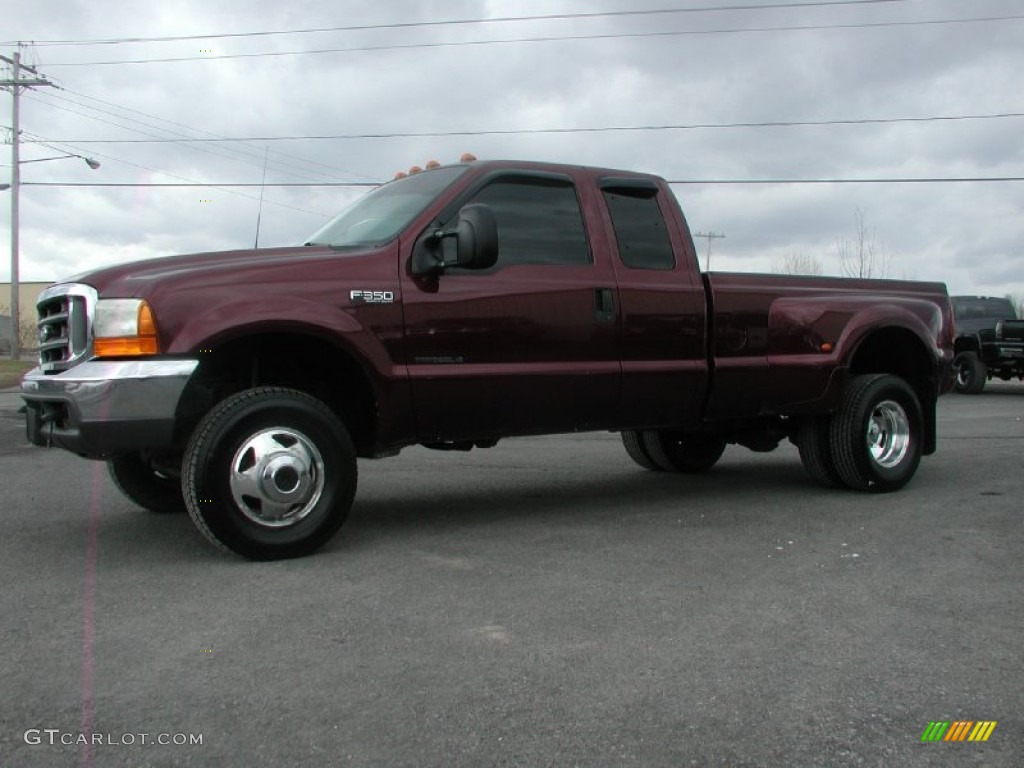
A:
(458, 306)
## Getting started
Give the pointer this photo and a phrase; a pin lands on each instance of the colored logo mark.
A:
(959, 730)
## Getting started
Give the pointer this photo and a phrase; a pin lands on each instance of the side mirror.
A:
(476, 243)
(476, 237)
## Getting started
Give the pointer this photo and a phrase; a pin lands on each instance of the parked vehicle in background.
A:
(989, 342)
(458, 306)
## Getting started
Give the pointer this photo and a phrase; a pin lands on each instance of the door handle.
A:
(604, 305)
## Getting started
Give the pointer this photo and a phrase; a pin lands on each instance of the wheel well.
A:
(965, 344)
(896, 351)
(900, 352)
(295, 360)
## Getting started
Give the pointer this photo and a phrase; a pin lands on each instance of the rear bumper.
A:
(100, 409)
(1003, 354)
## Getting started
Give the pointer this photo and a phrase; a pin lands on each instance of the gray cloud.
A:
(966, 234)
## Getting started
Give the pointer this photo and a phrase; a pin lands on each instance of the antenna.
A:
(263, 182)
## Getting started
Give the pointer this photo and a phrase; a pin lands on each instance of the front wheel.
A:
(269, 473)
(877, 434)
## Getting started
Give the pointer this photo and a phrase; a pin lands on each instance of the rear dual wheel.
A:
(140, 479)
(633, 441)
(872, 443)
(814, 442)
(671, 451)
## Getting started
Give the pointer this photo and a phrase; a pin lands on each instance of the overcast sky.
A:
(861, 61)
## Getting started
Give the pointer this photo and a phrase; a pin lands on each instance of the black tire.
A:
(634, 444)
(269, 473)
(877, 434)
(971, 373)
(816, 451)
(688, 452)
(136, 477)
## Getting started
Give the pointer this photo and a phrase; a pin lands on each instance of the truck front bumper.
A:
(100, 409)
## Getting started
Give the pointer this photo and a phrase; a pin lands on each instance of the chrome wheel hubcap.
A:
(277, 477)
(888, 434)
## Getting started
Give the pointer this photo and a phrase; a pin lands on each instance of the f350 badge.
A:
(372, 297)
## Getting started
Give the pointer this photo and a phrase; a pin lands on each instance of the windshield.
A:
(383, 213)
(978, 308)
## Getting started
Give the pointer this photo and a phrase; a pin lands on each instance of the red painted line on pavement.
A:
(89, 612)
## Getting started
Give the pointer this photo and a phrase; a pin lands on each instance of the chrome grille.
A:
(65, 325)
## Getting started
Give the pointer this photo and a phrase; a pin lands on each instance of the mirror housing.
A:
(476, 237)
(476, 243)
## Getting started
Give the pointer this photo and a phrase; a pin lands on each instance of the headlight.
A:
(124, 328)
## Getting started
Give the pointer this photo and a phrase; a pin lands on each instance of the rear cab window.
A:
(641, 232)
(982, 308)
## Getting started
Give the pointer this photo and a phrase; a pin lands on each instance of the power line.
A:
(155, 139)
(547, 39)
(455, 22)
(208, 133)
(227, 188)
(246, 158)
(598, 129)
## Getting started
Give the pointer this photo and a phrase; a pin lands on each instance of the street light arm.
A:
(94, 164)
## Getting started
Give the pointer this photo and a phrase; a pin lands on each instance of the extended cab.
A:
(456, 307)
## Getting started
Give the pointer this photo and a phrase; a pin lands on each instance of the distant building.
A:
(28, 294)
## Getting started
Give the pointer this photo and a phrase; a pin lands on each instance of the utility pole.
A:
(16, 84)
(710, 236)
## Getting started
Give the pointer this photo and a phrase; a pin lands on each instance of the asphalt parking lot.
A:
(543, 603)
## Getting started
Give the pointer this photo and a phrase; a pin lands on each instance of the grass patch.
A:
(11, 372)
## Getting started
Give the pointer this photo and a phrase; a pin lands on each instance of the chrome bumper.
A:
(102, 408)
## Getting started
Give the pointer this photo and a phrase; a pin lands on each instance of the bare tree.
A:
(27, 327)
(798, 264)
(863, 255)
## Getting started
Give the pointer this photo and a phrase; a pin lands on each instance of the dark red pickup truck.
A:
(458, 306)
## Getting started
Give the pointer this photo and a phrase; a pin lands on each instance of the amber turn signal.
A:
(128, 336)
(126, 347)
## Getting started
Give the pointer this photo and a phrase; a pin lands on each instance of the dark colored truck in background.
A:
(458, 306)
(989, 342)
